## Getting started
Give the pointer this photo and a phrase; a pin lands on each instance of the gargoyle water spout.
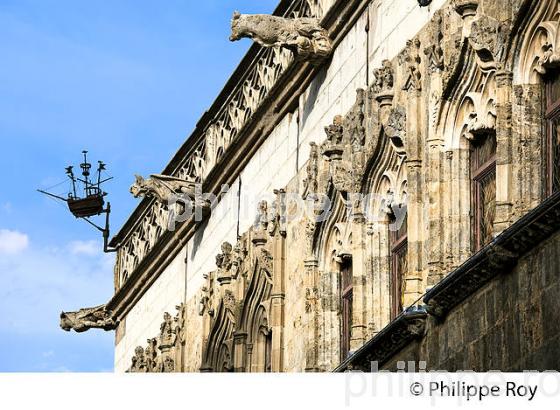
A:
(303, 36)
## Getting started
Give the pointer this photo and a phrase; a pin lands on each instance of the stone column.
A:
(413, 282)
(504, 157)
(435, 182)
(240, 352)
(381, 268)
(312, 316)
(359, 270)
(277, 301)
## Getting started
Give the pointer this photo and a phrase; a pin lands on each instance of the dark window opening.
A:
(268, 353)
(483, 189)
(346, 296)
(399, 266)
(552, 137)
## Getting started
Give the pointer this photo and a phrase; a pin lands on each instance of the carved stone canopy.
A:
(540, 50)
(303, 36)
(410, 59)
(89, 318)
(488, 37)
(396, 129)
(163, 187)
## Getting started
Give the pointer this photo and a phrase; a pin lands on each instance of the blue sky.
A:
(125, 79)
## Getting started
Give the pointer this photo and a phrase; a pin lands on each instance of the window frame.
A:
(346, 308)
(551, 114)
(399, 246)
(478, 173)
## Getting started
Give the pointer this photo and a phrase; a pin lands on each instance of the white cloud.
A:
(87, 248)
(37, 286)
(13, 242)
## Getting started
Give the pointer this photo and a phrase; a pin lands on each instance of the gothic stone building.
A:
(431, 132)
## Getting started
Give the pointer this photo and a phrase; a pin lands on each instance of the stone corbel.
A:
(488, 37)
(303, 36)
(224, 262)
(261, 225)
(333, 148)
(89, 318)
(396, 129)
(467, 9)
(383, 88)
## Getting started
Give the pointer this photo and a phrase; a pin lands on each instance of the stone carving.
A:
(261, 223)
(354, 123)
(160, 353)
(539, 51)
(167, 334)
(224, 262)
(303, 36)
(151, 356)
(205, 304)
(488, 37)
(90, 318)
(434, 52)
(332, 148)
(163, 187)
(138, 361)
(278, 214)
(411, 60)
(396, 129)
(310, 184)
(384, 78)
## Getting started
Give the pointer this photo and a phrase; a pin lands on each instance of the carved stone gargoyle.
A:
(303, 36)
(89, 318)
(163, 187)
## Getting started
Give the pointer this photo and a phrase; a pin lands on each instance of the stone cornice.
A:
(499, 257)
(282, 98)
(406, 328)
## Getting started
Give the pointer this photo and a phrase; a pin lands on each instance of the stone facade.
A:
(424, 130)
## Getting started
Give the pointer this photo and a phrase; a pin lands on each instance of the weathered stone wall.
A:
(144, 320)
(511, 324)
(285, 151)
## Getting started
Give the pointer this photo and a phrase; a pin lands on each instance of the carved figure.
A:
(89, 318)
(303, 36)
(162, 187)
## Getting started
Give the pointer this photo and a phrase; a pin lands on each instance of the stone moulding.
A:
(406, 328)
(496, 258)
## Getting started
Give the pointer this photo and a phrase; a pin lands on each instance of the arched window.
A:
(552, 143)
(346, 297)
(399, 263)
(483, 188)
